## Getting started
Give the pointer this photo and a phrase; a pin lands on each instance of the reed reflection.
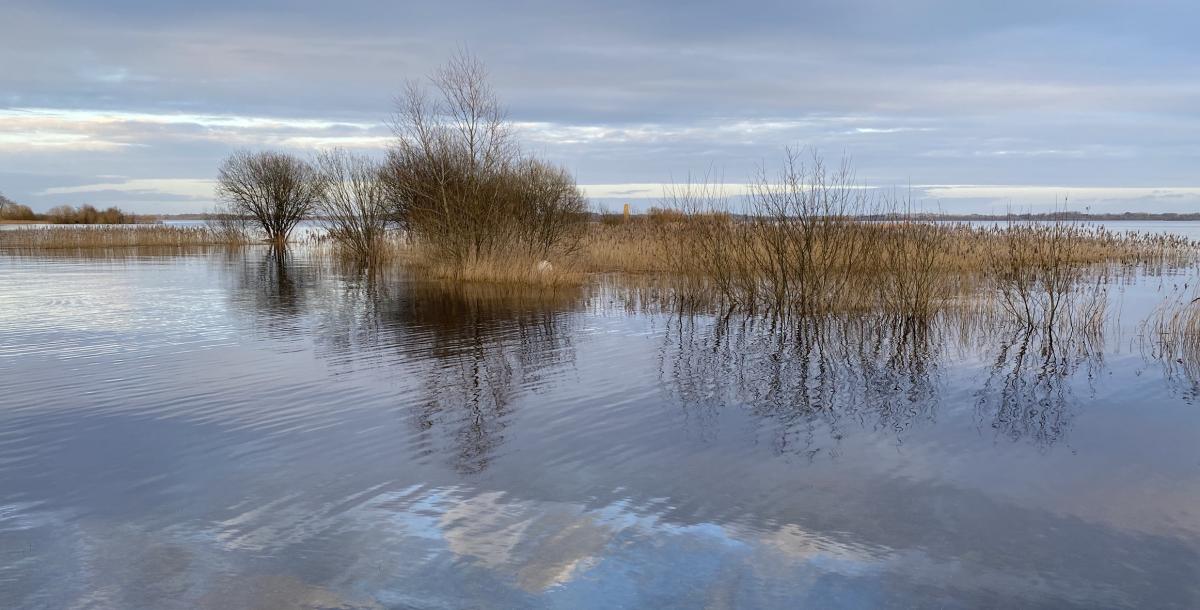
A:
(811, 378)
(468, 354)
(814, 380)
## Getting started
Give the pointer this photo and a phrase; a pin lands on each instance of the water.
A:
(245, 431)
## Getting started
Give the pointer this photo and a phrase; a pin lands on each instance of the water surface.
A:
(228, 430)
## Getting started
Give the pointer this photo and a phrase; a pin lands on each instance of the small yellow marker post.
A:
(627, 212)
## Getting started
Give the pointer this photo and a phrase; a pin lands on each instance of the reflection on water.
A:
(812, 379)
(273, 289)
(261, 429)
(1030, 391)
(478, 353)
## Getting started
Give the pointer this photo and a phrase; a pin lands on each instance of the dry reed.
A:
(109, 236)
(1171, 334)
(906, 267)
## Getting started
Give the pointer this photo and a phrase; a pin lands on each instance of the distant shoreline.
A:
(1046, 216)
(1161, 216)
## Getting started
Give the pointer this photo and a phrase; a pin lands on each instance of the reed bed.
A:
(387, 249)
(1171, 334)
(910, 268)
(514, 267)
(775, 264)
(1032, 273)
(109, 236)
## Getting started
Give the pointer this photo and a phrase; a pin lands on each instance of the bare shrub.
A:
(274, 189)
(354, 203)
(1037, 269)
(546, 211)
(801, 248)
(88, 215)
(11, 210)
(906, 262)
(664, 215)
(609, 218)
(459, 183)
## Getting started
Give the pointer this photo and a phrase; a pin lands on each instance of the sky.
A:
(970, 106)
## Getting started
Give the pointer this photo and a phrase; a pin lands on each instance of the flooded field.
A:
(232, 429)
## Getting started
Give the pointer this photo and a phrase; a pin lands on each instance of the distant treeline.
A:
(660, 214)
(68, 215)
(1043, 216)
(657, 214)
(667, 214)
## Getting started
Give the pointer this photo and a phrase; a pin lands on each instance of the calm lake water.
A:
(248, 431)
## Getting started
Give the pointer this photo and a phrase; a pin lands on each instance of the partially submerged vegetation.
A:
(1171, 334)
(456, 198)
(103, 237)
(475, 205)
(273, 190)
(803, 250)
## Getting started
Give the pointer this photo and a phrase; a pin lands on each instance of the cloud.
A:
(869, 130)
(22, 141)
(943, 92)
(89, 130)
(188, 188)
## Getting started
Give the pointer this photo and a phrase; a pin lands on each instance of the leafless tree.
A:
(459, 182)
(354, 202)
(275, 189)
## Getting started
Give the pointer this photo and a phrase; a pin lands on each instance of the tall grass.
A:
(804, 258)
(109, 236)
(1171, 334)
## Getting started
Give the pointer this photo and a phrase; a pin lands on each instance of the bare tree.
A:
(275, 189)
(459, 182)
(354, 202)
(5, 204)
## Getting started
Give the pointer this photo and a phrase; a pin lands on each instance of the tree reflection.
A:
(468, 356)
(273, 287)
(1030, 393)
(481, 350)
(468, 352)
(810, 379)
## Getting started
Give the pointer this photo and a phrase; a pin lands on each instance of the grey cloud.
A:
(1019, 92)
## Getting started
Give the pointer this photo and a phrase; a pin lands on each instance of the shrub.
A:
(11, 210)
(88, 215)
(353, 203)
(460, 185)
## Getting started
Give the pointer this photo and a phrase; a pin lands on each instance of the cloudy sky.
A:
(977, 105)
